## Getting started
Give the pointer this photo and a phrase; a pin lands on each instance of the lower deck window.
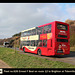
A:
(32, 43)
(38, 43)
(62, 40)
(44, 43)
(63, 36)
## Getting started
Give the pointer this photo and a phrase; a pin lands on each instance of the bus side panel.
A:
(49, 48)
(50, 52)
(27, 50)
(51, 42)
(44, 50)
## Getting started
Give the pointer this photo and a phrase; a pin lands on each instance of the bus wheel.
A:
(24, 50)
(39, 52)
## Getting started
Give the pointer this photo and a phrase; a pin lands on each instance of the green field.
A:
(16, 60)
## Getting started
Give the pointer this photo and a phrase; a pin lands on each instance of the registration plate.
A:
(60, 51)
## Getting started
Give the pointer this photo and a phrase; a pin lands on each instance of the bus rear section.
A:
(62, 38)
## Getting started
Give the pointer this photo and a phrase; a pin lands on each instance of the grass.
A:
(16, 60)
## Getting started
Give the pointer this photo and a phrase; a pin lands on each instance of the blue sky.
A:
(65, 7)
(15, 17)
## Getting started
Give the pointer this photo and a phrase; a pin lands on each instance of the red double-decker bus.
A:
(48, 39)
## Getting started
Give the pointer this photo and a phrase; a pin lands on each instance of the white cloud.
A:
(15, 17)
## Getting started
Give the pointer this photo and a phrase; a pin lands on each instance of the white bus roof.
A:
(28, 29)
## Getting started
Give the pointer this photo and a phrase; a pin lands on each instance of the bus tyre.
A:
(24, 50)
(39, 52)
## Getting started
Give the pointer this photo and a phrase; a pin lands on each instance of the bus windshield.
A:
(62, 27)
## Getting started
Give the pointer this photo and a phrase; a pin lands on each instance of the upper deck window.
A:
(62, 27)
(28, 33)
(33, 32)
(47, 29)
(40, 30)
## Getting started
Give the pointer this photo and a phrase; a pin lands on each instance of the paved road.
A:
(63, 58)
